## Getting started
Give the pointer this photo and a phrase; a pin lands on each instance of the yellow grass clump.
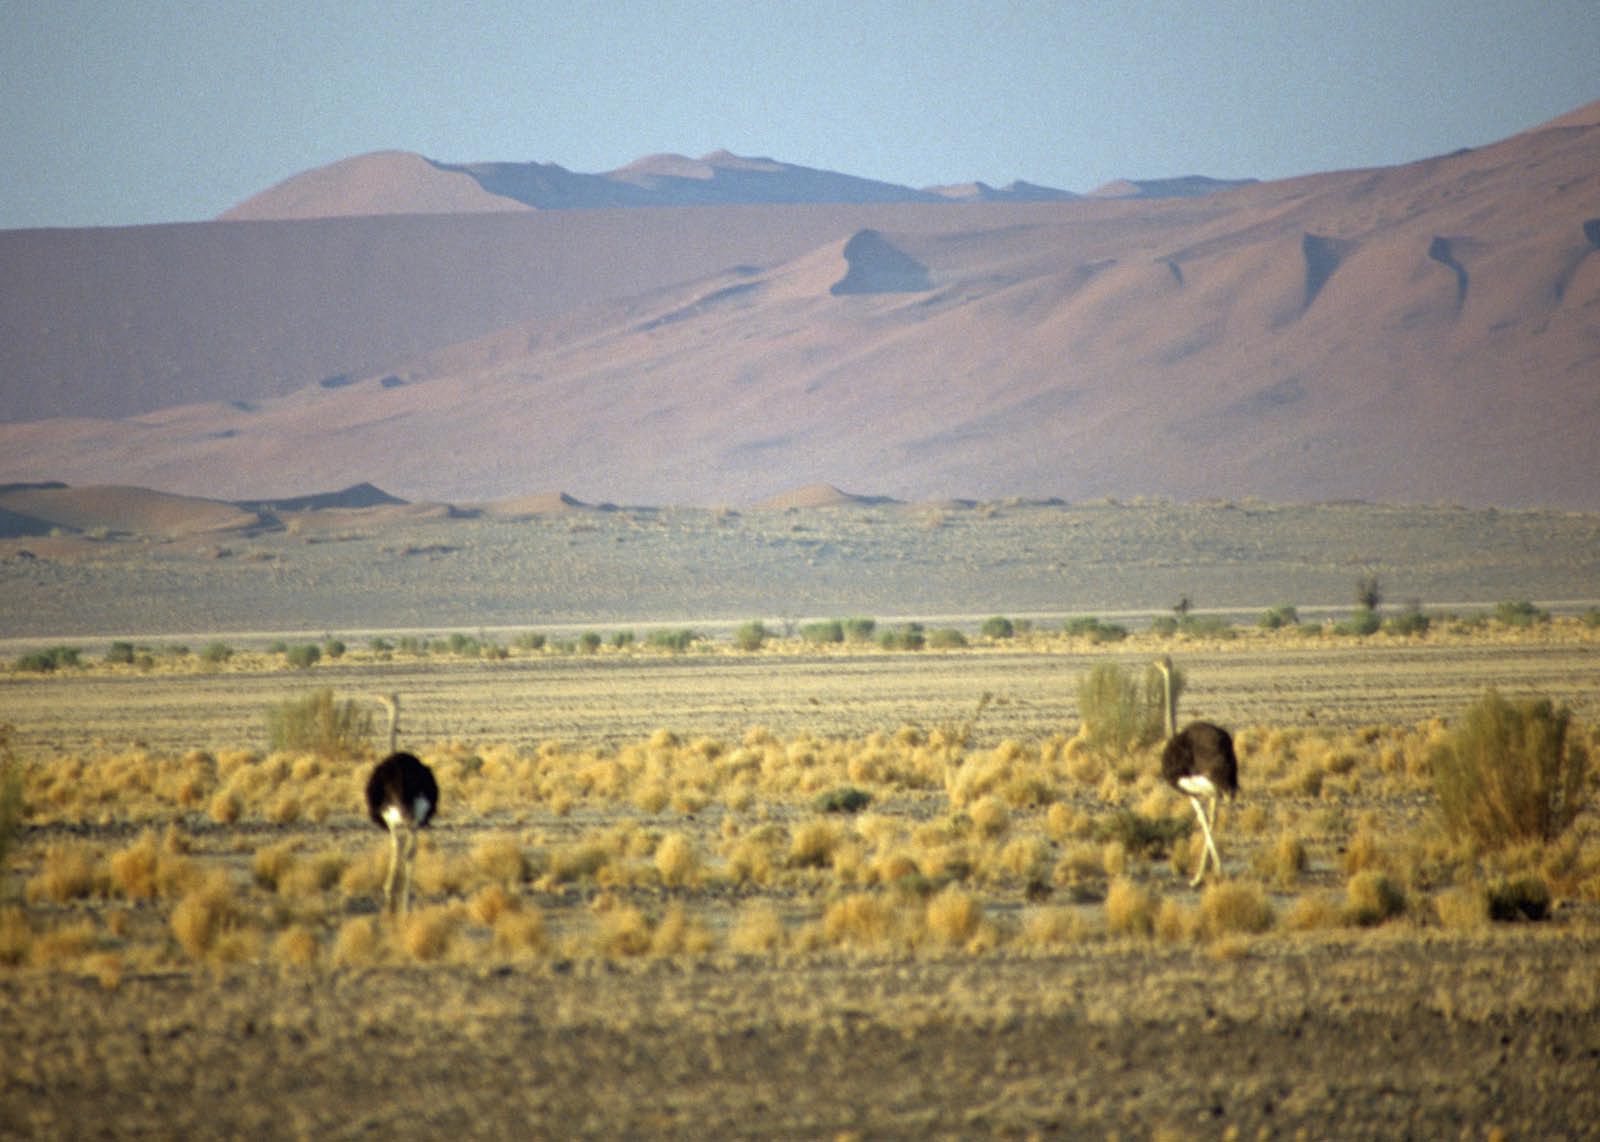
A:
(519, 933)
(1053, 927)
(296, 947)
(860, 919)
(676, 861)
(426, 934)
(69, 872)
(1234, 907)
(16, 937)
(201, 918)
(679, 934)
(757, 930)
(1129, 909)
(500, 859)
(357, 943)
(1463, 908)
(1371, 898)
(953, 917)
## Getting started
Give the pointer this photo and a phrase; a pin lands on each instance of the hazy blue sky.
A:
(129, 111)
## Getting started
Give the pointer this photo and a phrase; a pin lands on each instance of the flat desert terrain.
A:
(815, 889)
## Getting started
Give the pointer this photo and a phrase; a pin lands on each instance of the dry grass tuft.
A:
(426, 934)
(954, 917)
(1130, 911)
(758, 930)
(1053, 927)
(813, 844)
(68, 873)
(16, 937)
(679, 934)
(990, 816)
(296, 947)
(200, 919)
(1463, 908)
(1371, 898)
(624, 932)
(859, 919)
(1176, 923)
(226, 807)
(357, 943)
(500, 859)
(64, 945)
(491, 903)
(1234, 908)
(1319, 911)
(1288, 859)
(677, 862)
(519, 933)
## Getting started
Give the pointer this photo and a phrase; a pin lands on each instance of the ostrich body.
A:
(402, 796)
(1200, 763)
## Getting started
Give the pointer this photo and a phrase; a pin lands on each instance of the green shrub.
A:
(49, 660)
(1119, 713)
(333, 648)
(946, 638)
(998, 626)
(1519, 613)
(676, 640)
(1509, 772)
(1410, 621)
(1147, 836)
(622, 639)
(303, 656)
(216, 653)
(751, 636)
(121, 653)
(530, 640)
(859, 630)
(907, 636)
(464, 645)
(589, 642)
(845, 799)
(824, 632)
(319, 724)
(1284, 615)
(1094, 630)
(1360, 624)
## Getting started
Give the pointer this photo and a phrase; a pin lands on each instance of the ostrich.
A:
(402, 796)
(1199, 762)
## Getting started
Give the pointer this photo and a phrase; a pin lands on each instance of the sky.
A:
(126, 112)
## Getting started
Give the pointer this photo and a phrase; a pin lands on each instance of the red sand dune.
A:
(1427, 332)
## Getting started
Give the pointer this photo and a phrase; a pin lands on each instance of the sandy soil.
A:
(1334, 1038)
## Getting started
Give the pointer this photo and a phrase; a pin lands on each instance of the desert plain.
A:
(810, 888)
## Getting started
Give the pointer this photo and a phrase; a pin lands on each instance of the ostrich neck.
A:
(1169, 700)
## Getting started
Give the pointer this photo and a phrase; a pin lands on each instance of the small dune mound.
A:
(536, 506)
(355, 496)
(819, 496)
(873, 264)
(114, 508)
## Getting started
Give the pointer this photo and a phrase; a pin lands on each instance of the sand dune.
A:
(1417, 333)
(121, 509)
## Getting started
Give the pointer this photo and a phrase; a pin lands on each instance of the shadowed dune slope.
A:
(1427, 332)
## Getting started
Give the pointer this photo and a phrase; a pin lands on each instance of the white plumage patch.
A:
(393, 817)
(1197, 786)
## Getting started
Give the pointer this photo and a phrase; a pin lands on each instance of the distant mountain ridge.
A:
(399, 182)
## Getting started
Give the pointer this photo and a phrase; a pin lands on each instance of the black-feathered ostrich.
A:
(402, 796)
(1200, 763)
